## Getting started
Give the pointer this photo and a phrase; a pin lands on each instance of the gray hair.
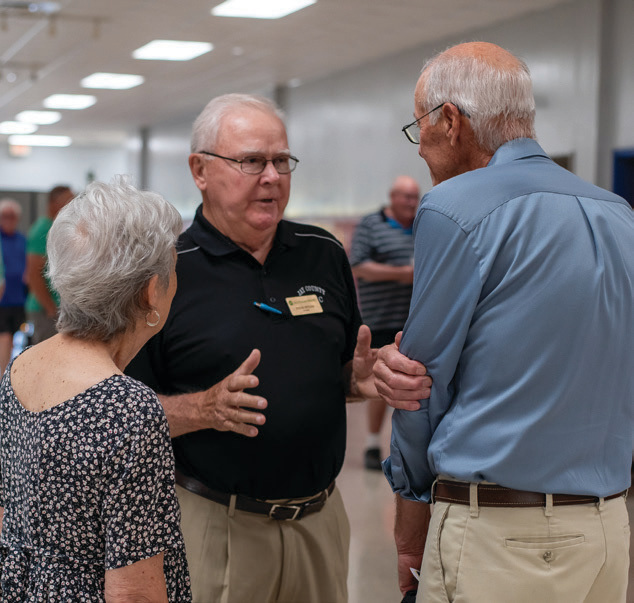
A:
(207, 125)
(10, 204)
(103, 248)
(499, 101)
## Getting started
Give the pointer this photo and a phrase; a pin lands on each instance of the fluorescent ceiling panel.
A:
(42, 118)
(171, 50)
(112, 81)
(17, 127)
(37, 140)
(69, 101)
(259, 9)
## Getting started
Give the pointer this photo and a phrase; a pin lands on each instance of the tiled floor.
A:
(370, 506)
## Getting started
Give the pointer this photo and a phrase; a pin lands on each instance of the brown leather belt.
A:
(279, 511)
(491, 495)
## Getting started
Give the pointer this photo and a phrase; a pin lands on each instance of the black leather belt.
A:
(491, 495)
(279, 511)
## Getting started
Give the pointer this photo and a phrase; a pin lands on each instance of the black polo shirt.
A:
(212, 327)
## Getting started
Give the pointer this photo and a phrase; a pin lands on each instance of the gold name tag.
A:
(304, 304)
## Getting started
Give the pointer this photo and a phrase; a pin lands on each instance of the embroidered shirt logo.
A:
(308, 289)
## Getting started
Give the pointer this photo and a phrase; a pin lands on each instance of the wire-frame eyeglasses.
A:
(256, 164)
(412, 131)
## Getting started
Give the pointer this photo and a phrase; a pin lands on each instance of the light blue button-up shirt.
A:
(523, 313)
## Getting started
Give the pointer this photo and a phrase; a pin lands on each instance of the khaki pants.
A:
(564, 554)
(249, 558)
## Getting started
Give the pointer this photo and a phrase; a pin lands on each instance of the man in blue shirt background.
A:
(13, 245)
(523, 313)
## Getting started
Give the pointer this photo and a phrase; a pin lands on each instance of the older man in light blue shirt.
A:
(523, 314)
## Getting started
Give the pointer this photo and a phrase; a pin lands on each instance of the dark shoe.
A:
(373, 459)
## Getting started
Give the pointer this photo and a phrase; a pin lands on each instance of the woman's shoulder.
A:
(133, 396)
(120, 408)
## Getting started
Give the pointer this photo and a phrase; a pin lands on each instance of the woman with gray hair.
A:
(87, 491)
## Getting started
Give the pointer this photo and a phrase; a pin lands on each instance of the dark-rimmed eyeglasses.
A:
(412, 131)
(255, 164)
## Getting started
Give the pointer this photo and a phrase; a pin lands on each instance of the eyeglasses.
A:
(412, 131)
(255, 164)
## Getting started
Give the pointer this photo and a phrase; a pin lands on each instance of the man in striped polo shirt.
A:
(381, 259)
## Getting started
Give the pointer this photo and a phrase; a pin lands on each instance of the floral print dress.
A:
(87, 486)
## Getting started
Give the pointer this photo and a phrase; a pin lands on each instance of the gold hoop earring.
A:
(153, 324)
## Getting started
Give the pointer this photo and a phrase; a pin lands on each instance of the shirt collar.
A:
(519, 148)
(213, 241)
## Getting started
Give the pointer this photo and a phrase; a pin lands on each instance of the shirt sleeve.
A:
(2, 270)
(361, 247)
(447, 286)
(355, 316)
(140, 513)
(36, 240)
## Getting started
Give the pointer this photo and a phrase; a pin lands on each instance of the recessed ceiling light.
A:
(48, 8)
(69, 101)
(256, 9)
(112, 81)
(42, 118)
(171, 50)
(16, 127)
(37, 140)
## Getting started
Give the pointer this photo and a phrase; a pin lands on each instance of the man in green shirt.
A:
(42, 301)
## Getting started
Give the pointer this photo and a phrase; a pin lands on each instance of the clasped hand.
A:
(400, 381)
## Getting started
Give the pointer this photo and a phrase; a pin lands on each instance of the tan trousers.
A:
(249, 558)
(563, 554)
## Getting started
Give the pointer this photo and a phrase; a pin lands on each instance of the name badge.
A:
(304, 304)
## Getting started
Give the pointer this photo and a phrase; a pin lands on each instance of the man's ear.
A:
(453, 122)
(197, 167)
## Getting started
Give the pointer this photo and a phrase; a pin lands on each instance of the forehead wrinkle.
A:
(260, 152)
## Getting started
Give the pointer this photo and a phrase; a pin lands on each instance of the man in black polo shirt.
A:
(261, 517)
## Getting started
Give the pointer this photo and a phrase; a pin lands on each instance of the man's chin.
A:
(267, 221)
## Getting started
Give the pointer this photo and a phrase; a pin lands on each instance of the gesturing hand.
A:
(362, 384)
(222, 406)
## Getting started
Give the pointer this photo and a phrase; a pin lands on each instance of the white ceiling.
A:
(250, 55)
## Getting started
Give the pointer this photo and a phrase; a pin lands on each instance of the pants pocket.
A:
(545, 542)
(433, 587)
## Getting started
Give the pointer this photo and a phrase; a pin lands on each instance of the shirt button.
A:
(272, 300)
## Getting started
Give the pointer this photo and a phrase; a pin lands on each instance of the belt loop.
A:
(232, 505)
(432, 498)
(601, 504)
(548, 511)
(474, 510)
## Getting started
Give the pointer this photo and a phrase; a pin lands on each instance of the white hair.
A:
(103, 248)
(11, 204)
(207, 125)
(499, 101)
